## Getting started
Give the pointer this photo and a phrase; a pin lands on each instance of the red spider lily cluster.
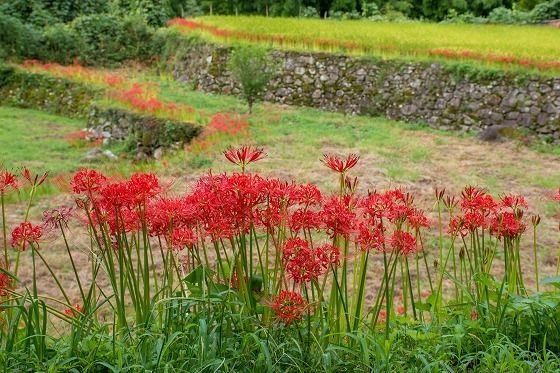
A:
(305, 263)
(280, 244)
(228, 123)
(289, 306)
(220, 125)
(491, 57)
(140, 99)
(82, 139)
(479, 211)
(76, 72)
(362, 47)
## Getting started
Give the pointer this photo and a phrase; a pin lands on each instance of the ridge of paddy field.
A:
(524, 48)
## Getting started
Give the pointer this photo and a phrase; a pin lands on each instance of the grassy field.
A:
(509, 46)
(38, 140)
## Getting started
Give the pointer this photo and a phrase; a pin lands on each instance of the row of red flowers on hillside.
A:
(223, 206)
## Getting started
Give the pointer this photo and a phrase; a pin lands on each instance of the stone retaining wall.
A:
(146, 135)
(445, 97)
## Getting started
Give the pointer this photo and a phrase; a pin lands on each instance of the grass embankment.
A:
(510, 47)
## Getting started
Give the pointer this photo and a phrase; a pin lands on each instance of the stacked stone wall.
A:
(459, 98)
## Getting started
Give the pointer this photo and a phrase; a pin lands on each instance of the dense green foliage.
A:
(435, 10)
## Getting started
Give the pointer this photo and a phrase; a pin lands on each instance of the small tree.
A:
(252, 69)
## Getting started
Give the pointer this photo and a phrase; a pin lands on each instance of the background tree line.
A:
(156, 12)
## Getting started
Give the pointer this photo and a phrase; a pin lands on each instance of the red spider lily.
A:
(457, 226)
(293, 247)
(57, 217)
(166, 214)
(8, 179)
(289, 306)
(228, 123)
(303, 263)
(181, 238)
(474, 220)
(329, 255)
(417, 219)
(507, 224)
(74, 311)
(303, 218)
(513, 201)
(25, 234)
(308, 194)
(338, 165)
(339, 217)
(403, 243)
(371, 237)
(228, 205)
(35, 181)
(244, 155)
(143, 187)
(475, 199)
(5, 284)
(553, 196)
(88, 181)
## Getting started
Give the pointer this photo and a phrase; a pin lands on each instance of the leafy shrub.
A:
(310, 12)
(468, 17)
(336, 15)
(137, 36)
(370, 10)
(47, 93)
(61, 44)
(108, 39)
(353, 15)
(6, 71)
(508, 16)
(99, 33)
(18, 39)
(546, 11)
(528, 4)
